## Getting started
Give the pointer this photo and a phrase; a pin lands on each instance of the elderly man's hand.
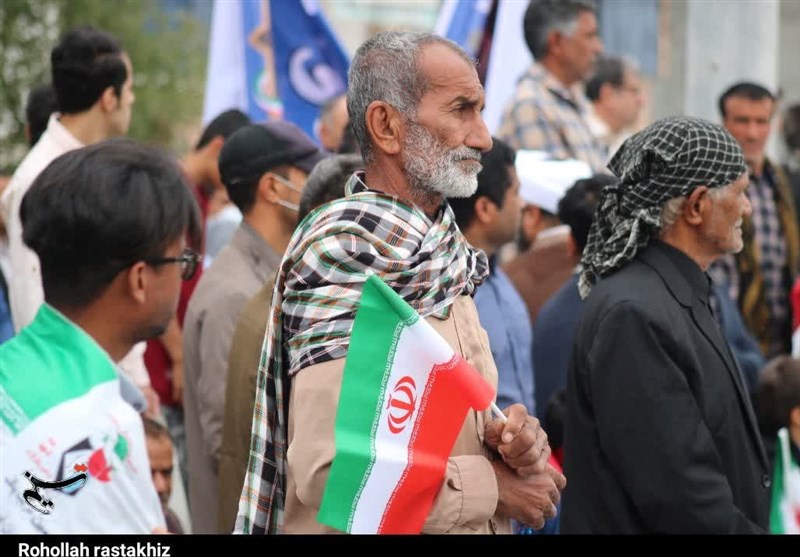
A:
(521, 441)
(530, 500)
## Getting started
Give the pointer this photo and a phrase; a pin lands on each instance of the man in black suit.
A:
(660, 435)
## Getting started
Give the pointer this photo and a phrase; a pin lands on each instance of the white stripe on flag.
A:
(226, 77)
(419, 348)
(509, 58)
(445, 17)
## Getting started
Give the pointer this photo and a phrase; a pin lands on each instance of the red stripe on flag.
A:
(451, 390)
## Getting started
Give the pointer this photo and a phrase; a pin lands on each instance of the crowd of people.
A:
(630, 291)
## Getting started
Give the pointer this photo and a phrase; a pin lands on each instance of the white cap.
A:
(544, 181)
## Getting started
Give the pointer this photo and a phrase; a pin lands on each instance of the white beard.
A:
(434, 168)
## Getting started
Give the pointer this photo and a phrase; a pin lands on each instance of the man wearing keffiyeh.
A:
(414, 101)
(661, 434)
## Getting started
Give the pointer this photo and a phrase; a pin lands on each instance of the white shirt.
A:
(25, 291)
(25, 279)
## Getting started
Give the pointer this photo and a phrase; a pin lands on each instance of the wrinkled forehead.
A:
(447, 73)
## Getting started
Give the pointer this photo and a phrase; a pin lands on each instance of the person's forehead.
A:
(587, 20)
(741, 103)
(160, 441)
(743, 180)
(446, 71)
(126, 59)
(630, 75)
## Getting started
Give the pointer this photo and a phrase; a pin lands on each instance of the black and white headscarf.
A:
(669, 158)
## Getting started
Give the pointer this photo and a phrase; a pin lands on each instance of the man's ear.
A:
(555, 40)
(531, 222)
(213, 147)
(485, 210)
(572, 247)
(794, 417)
(384, 126)
(606, 89)
(109, 100)
(697, 206)
(137, 282)
(267, 188)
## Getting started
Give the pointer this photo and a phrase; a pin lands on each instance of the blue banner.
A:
(464, 22)
(310, 65)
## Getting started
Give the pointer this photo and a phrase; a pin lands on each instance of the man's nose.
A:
(160, 482)
(753, 131)
(747, 208)
(479, 137)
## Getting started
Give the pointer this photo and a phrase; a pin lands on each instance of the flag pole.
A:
(499, 413)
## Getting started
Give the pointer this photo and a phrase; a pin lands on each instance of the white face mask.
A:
(288, 204)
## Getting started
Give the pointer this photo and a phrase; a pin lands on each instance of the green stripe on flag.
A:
(381, 318)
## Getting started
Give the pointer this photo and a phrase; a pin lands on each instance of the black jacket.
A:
(660, 434)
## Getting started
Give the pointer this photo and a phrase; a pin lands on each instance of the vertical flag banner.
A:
(464, 22)
(405, 396)
(273, 59)
(784, 514)
(796, 319)
(508, 60)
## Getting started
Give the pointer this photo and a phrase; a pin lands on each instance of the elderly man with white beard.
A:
(415, 103)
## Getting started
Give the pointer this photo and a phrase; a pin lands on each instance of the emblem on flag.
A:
(405, 396)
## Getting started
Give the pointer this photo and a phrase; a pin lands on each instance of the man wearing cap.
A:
(662, 436)
(545, 261)
(264, 168)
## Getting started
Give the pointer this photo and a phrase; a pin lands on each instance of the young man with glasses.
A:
(109, 224)
(264, 168)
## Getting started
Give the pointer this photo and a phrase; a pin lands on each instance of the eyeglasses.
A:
(189, 261)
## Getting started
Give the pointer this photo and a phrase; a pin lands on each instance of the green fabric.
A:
(776, 518)
(49, 362)
(381, 318)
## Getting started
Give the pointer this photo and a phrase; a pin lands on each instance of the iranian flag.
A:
(405, 395)
(784, 516)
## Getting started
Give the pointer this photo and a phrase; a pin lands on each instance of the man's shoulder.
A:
(218, 290)
(229, 281)
(230, 267)
(634, 286)
(564, 303)
(16, 353)
(529, 100)
(37, 159)
(34, 378)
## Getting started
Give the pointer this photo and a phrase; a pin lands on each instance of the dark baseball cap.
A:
(254, 150)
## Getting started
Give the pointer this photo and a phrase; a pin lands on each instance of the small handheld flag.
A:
(405, 395)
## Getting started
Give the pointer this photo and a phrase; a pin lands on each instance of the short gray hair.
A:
(326, 182)
(544, 16)
(386, 68)
(673, 207)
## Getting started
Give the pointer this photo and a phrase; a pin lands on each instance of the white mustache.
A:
(466, 153)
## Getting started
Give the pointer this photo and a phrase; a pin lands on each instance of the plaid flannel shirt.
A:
(544, 115)
(769, 260)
